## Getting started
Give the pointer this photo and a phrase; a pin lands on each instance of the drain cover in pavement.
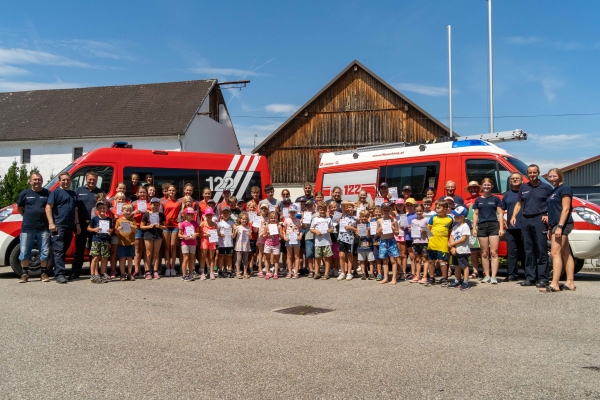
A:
(303, 310)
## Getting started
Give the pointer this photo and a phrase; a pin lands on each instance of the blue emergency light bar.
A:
(468, 143)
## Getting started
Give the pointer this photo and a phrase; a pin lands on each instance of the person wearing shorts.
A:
(321, 227)
(387, 243)
(309, 237)
(272, 246)
(225, 243)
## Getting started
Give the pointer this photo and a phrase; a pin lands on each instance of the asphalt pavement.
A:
(169, 339)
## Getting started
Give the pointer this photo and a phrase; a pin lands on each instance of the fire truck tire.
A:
(35, 269)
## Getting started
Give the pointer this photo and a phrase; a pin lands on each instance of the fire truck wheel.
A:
(35, 269)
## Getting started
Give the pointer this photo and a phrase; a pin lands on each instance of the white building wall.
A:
(207, 135)
(51, 156)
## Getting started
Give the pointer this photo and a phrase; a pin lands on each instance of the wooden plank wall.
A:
(337, 120)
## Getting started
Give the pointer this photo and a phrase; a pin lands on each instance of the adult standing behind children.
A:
(532, 202)
(86, 200)
(450, 188)
(61, 212)
(31, 204)
(271, 201)
(514, 239)
(308, 194)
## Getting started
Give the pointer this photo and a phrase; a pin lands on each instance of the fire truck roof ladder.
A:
(496, 137)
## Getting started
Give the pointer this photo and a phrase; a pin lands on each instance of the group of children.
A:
(229, 239)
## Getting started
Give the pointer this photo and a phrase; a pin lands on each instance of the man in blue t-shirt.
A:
(63, 220)
(514, 241)
(450, 188)
(31, 204)
(534, 225)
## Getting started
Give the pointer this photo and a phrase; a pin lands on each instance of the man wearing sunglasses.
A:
(514, 240)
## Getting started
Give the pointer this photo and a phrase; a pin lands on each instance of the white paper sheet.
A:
(336, 217)
(154, 218)
(226, 231)
(323, 228)
(373, 227)
(307, 217)
(213, 236)
(189, 230)
(120, 208)
(292, 238)
(271, 208)
(104, 225)
(273, 229)
(286, 212)
(393, 193)
(415, 231)
(251, 215)
(362, 229)
(343, 224)
(386, 226)
(142, 206)
(125, 227)
(403, 220)
(379, 201)
(256, 222)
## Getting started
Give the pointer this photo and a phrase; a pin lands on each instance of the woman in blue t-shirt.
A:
(488, 226)
(561, 223)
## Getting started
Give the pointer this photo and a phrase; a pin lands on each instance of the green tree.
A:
(15, 181)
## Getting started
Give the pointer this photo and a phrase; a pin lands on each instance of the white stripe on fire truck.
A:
(248, 177)
(234, 163)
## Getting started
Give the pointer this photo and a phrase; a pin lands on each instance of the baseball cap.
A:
(410, 200)
(155, 200)
(386, 205)
(383, 184)
(208, 211)
(264, 205)
(400, 201)
(293, 208)
(240, 201)
(449, 198)
(226, 190)
(460, 211)
(286, 200)
(211, 201)
(310, 202)
(226, 208)
(100, 202)
(407, 187)
(190, 210)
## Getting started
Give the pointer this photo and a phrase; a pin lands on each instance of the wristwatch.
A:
(560, 226)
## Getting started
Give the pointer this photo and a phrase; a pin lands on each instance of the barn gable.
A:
(357, 108)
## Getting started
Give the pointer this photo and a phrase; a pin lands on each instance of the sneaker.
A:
(156, 275)
(379, 277)
(431, 281)
(202, 277)
(409, 277)
(167, 272)
(61, 279)
(196, 276)
(336, 273)
(123, 278)
(212, 276)
(349, 277)
(444, 282)
(136, 274)
(131, 278)
(45, 278)
(191, 277)
(464, 286)
(275, 276)
(310, 275)
(341, 276)
(493, 280)
(24, 278)
(185, 278)
(105, 278)
(148, 276)
(454, 285)
(486, 279)
(363, 277)
(268, 276)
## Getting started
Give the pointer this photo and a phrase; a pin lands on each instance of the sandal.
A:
(422, 281)
(562, 286)
(288, 276)
(260, 275)
(295, 276)
(549, 289)
(414, 280)
(474, 275)
(246, 276)
(317, 276)
(239, 276)
(310, 275)
(324, 277)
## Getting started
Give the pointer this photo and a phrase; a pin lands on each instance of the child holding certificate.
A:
(418, 232)
(292, 235)
(208, 243)
(140, 206)
(225, 243)
(188, 233)
(272, 247)
(365, 244)
(153, 223)
(387, 227)
(321, 227)
(126, 228)
(101, 227)
(241, 234)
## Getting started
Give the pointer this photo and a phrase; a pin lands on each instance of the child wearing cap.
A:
(208, 248)
(225, 244)
(188, 233)
(332, 208)
(226, 202)
(321, 228)
(459, 247)
(375, 216)
(419, 244)
(365, 244)
(260, 239)
(153, 224)
(292, 235)
(347, 233)
(252, 209)
(241, 234)
(101, 226)
(410, 216)
(272, 246)
(171, 208)
(233, 206)
(387, 229)
(140, 206)
(116, 211)
(308, 216)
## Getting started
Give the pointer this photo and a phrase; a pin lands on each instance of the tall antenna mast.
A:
(450, 74)
(491, 66)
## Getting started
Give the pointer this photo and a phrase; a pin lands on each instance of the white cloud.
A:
(6, 86)
(550, 84)
(8, 70)
(246, 134)
(535, 40)
(26, 56)
(277, 108)
(424, 89)
(240, 73)
(96, 48)
(553, 140)
(521, 40)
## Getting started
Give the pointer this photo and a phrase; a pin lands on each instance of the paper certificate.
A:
(142, 206)
(292, 238)
(154, 218)
(393, 193)
(403, 220)
(213, 237)
(336, 217)
(119, 208)
(189, 230)
(271, 208)
(373, 227)
(343, 224)
(379, 201)
(286, 212)
(386, 226)
(323, 228)
(415, 231)
(358, 210)
(362, 230)
(256, 222)
(251, 215)
(125, 227)
(104, 225)
(226, 231)
(244, 236)
(427, 231)
(273, 229)
(307, 217)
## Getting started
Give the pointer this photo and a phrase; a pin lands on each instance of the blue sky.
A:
(546, 57)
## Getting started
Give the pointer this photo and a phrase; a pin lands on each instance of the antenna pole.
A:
(450, 74)
(491, 66)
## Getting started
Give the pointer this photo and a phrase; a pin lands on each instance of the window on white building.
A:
(77, 152)
(25, 156)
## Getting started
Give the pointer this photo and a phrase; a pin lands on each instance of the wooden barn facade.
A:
(355, 109)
